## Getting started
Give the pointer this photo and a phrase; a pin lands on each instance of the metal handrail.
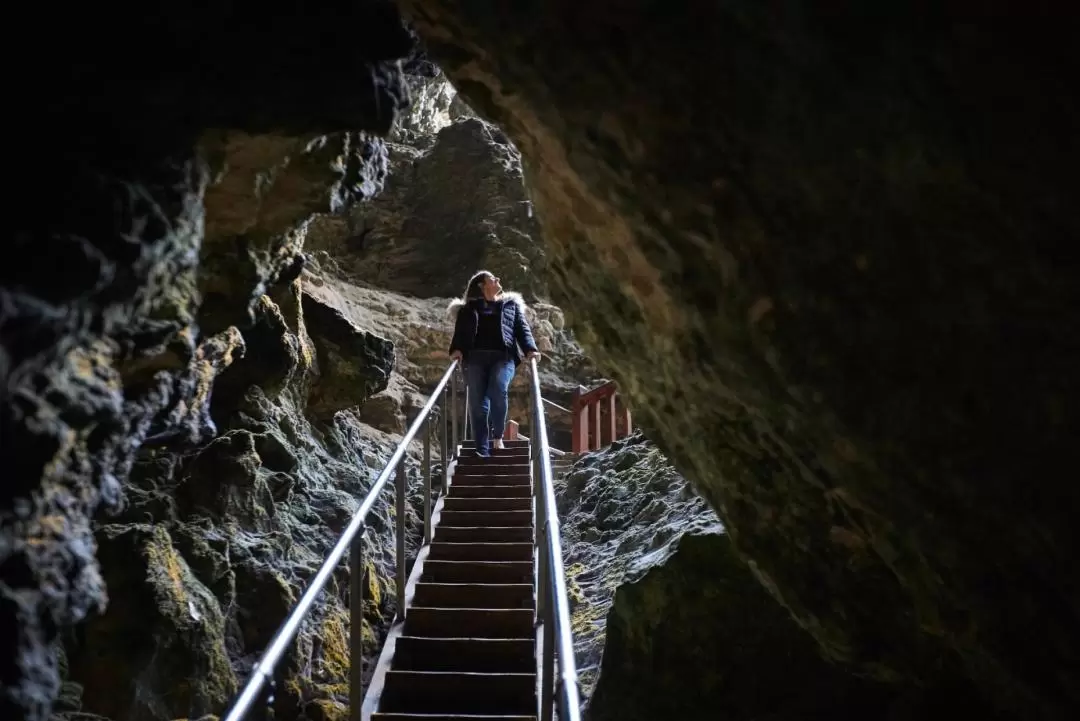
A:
(553, 404)
(553, 606)
(262, 674)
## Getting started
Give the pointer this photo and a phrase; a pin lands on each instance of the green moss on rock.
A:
(159, 653)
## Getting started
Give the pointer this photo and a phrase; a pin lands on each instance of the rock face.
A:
(669, 622)
(99, 347)
(455, 203)
(420, 331)
(829, 277)
(168, 369)
(215, 542)
(623, 511)
(831, 280)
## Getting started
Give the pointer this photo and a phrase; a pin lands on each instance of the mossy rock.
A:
(158, 653)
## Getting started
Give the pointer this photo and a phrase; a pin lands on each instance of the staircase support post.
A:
(594, 410)
(456, 438)
(427, 481)
(356, 626)
(612, 423)
(402, 575)
(445, 440)
(465, 435)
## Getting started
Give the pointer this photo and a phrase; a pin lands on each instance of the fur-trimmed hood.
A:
(457, 303)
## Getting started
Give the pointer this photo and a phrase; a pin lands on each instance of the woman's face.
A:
(492, 286)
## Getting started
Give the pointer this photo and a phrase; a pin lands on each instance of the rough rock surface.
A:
(454, 203)
(98, 346)
(162, 371)
(669, 622)
(624, 510)
(215, 542)
(420, 331)
(821, 247)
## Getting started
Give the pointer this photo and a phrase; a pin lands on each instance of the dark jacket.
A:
(516, 333)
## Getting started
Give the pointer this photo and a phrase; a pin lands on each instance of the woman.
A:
(490, 335)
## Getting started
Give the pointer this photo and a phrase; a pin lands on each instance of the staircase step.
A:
(493, 491)
(508, 453)
(477, 572)
(448, 551)
(473, 655)
(469, 622)
(480, 479)
(443, 717)
(448, 693)
(474, 595)
(471, 443)
(520, 463)
(459, 503)
(485, 518)
(484, 534)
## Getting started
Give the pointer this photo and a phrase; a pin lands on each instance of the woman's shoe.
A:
(497, 444)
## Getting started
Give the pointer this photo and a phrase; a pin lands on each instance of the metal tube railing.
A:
(553, 606)
(556, 406)
(351, 541)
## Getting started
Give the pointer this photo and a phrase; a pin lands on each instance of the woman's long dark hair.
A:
(475, 288)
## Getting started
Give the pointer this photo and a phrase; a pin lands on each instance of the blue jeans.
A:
(488, 375)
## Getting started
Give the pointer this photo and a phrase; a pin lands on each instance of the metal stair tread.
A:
(396, 716)
(456, 692)
(467, 649)
(471, 674)
(469, 595)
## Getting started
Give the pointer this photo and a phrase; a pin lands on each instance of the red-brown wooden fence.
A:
(599, 417)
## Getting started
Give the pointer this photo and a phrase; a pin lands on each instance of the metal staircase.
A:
(483, 626)
(468, 645)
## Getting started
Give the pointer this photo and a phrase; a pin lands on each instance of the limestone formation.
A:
(819, 246)
(420, 331)
(102, 285)
(455, 203)
(669, 622)
(822, 250)
(216, 540)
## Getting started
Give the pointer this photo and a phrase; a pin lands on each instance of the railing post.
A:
(402, 576)
(595, 410)
(356, 626)
(581, 422)
(455, 438)
(612, 420)
(469, 432)
(427, 480)
(444, 411)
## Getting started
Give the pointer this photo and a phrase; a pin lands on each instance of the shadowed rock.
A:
(353, 364)
(669, 622)
(455, 203)
(821, 247)
(108, 236)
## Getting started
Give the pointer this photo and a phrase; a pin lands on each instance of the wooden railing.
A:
(599, 418)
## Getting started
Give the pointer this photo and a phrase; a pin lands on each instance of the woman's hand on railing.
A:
(533, 355)
(455, 355)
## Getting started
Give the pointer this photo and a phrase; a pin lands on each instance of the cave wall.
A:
(99, 304)
(822, 249)
(181, 427)
(819, 247)
(669, 622)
